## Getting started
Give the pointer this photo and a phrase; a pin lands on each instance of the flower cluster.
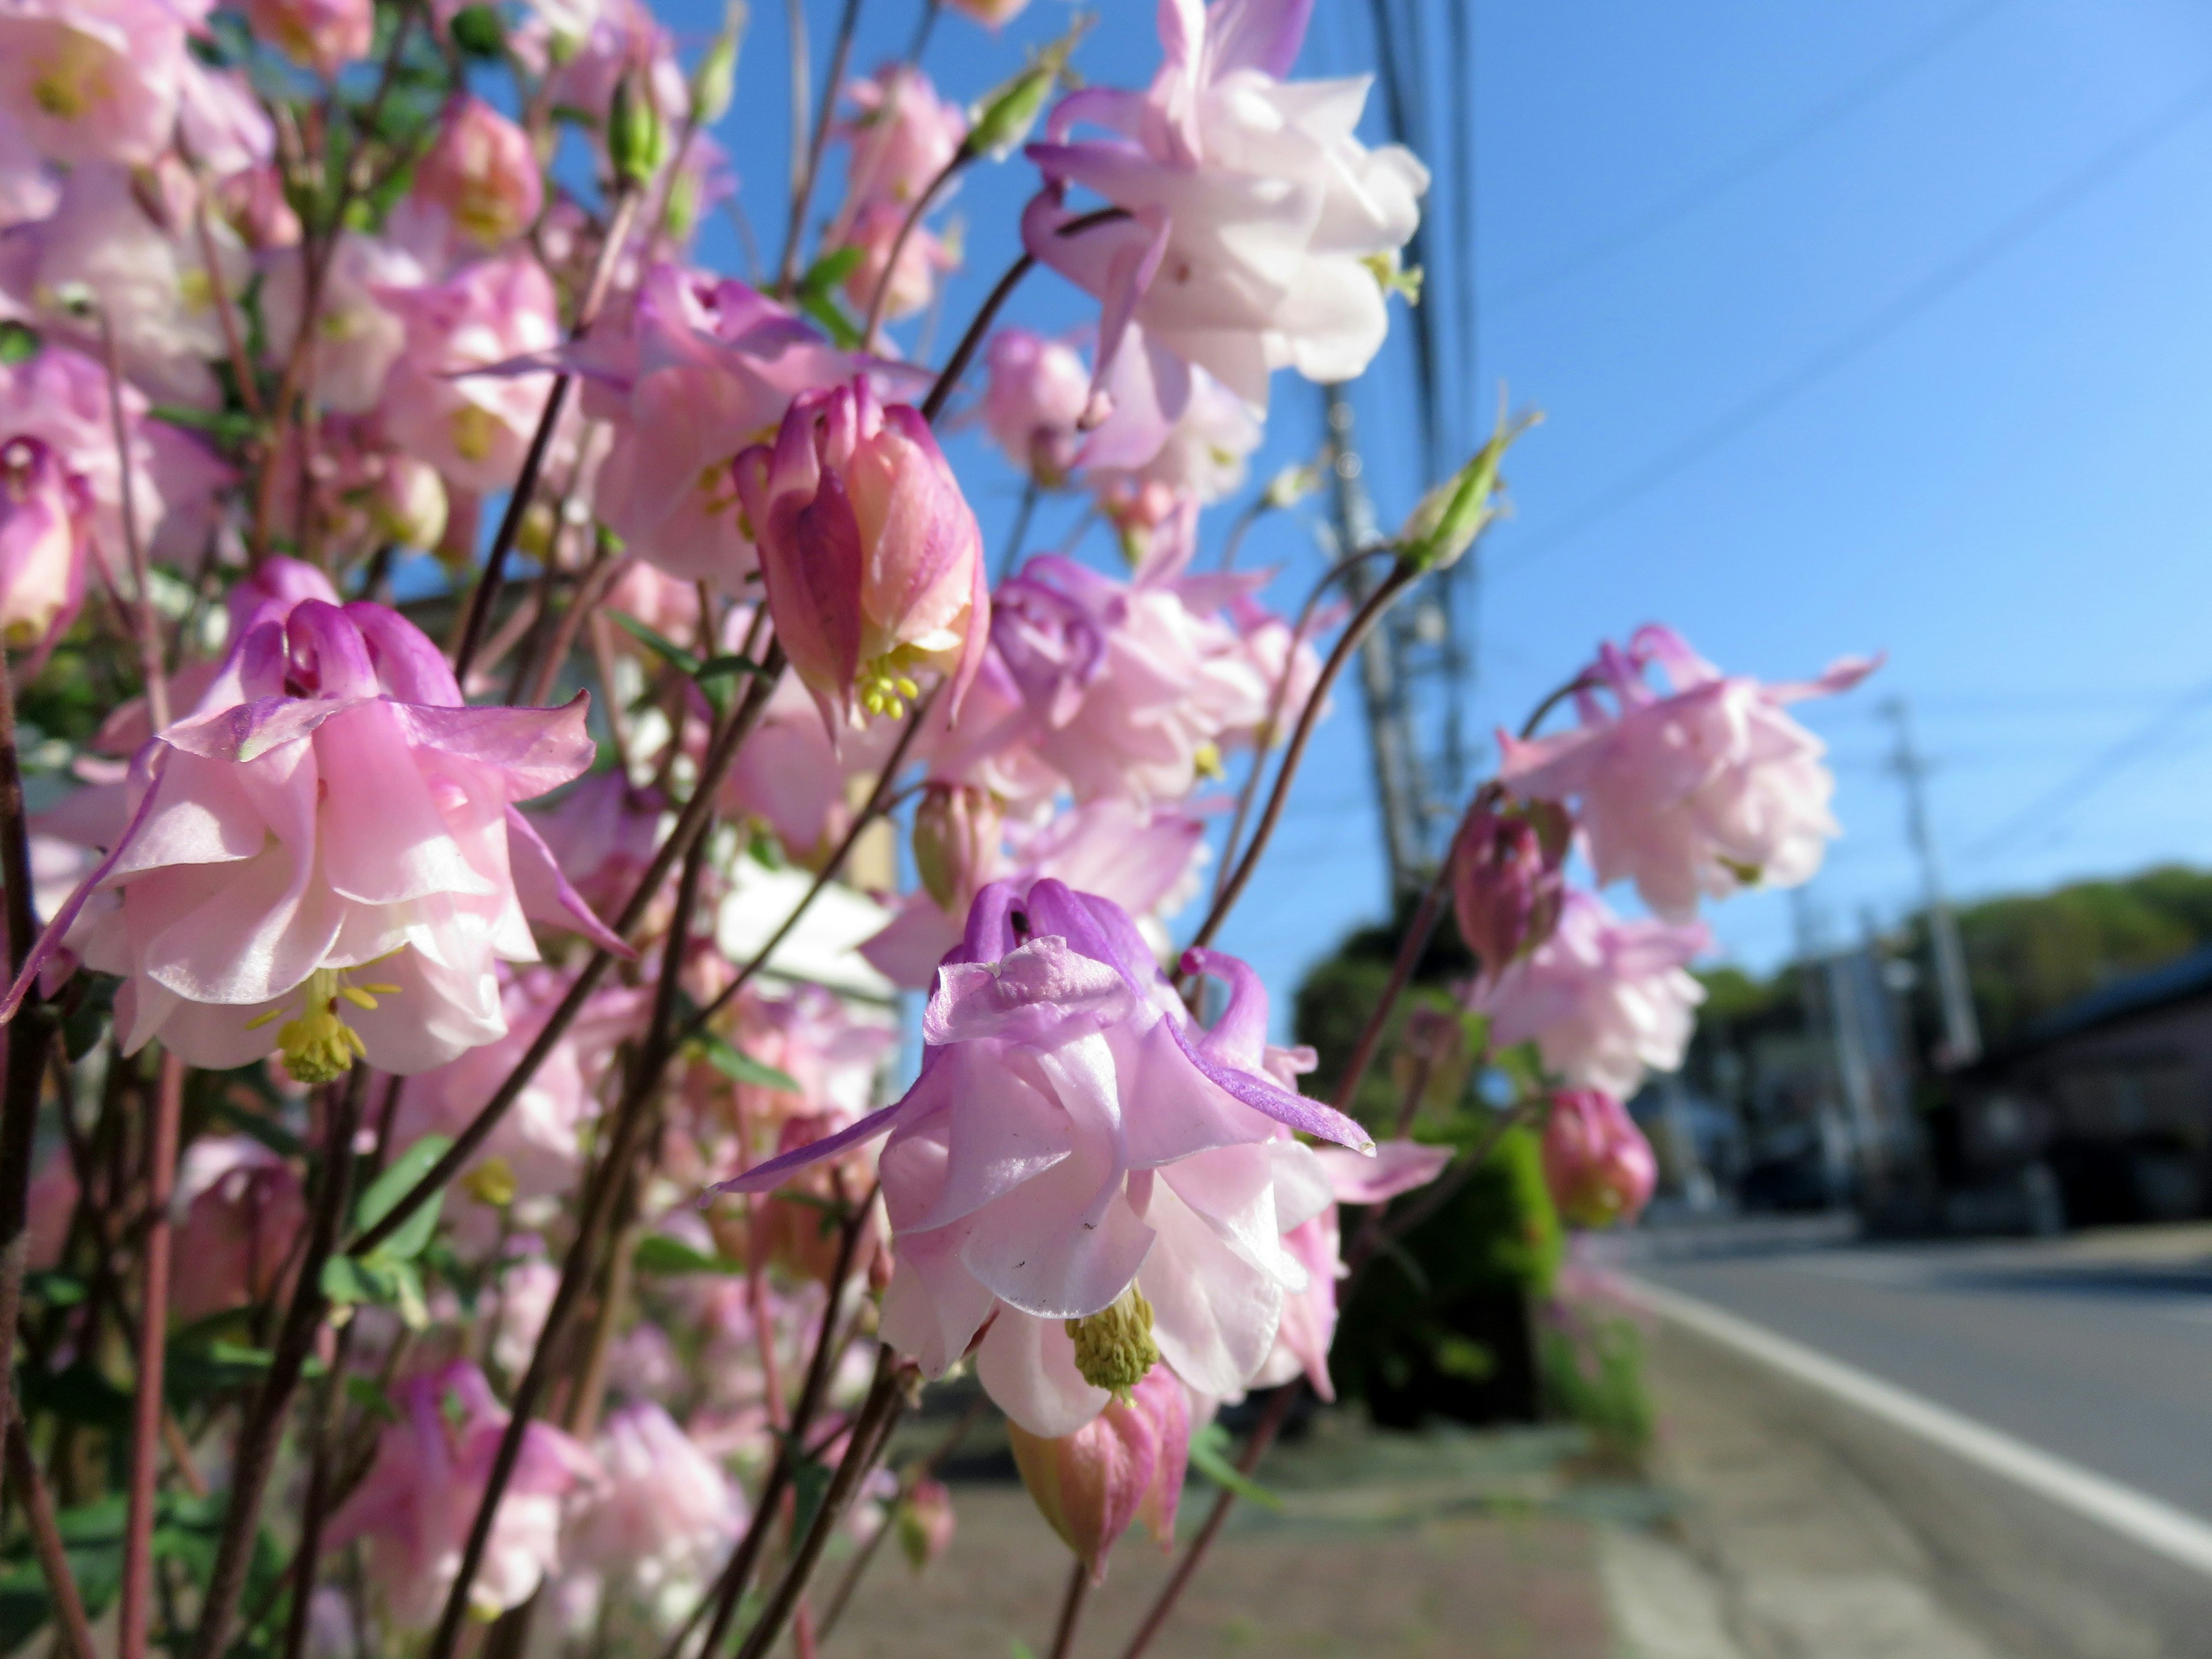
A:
(479, 657)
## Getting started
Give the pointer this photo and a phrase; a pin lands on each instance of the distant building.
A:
(2099, 1112)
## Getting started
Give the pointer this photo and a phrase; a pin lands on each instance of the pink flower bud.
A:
(1034, 404)
(1596, 1162)
(324, 34)
(870, 556)
(990, 13)
(956, 835)
(44, 511)
(483, 172)
(902, 136)
(1507, 884)
(924, 1523)
(240, 1210)
(1125, 1465)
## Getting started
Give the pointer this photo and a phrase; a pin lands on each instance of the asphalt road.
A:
(2096, 1348)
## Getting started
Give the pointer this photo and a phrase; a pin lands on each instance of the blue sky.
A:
(1880, 327)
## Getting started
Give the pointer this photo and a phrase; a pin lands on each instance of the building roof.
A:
(2138, 993)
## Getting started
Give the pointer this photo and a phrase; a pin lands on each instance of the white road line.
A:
(2172, 1532)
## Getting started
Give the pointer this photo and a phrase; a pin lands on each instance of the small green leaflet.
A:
(394, 1184)
(741, 1067)
(1209, 1455)
(18, 345)
(657, 1253)
(826, 272)
(654, 639)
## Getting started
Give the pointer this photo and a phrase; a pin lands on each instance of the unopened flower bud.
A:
(1449, 517)
(957, 829)
(1005, 115)
(635, 141)
(1507, 878)
(1126, 1464)
(924, 1523)
(1597, 1165)
(1291, 486)
(989, 13)
(44, 510)
(1114, 1347)
(324, 34)
(715, 81)
(870, 553)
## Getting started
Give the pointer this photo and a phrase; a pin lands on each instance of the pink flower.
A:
(324, 34)
(1601, 998)
(128, 240)
(957, 832)
(330, 818)
(1175, 433)
(793, 776)
(1075, 1177)
(873, 229)
(1507, 884)
(1132, 688)
(45, 516)
(29, 187)
(602, 835)
(92, 79)
(473, 428)
(481, 173)
(1261, 228)
(1708, 790)
(872, 560)
(663, 1511)
(1596, 1162)
(708, 368)
(357, 336)
(902, 138)
(1126, 1464)
(990, 13)
(52, 1207)
(240, 1210)
(1034, 404)
(413, 1511)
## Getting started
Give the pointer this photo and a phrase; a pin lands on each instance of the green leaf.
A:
(394, 1184)
(80, 1394)
(715, 668)
(18, 345)
(1209, 1455)
(824, 276)
(741, 1067)
(810, 1485)
(478, 32)
(54, 1288)
(654, 640)
(1019, 1649)
(657, 1253)
(227, 427)
(346, 1281)
(843, 332)
(371, 1399)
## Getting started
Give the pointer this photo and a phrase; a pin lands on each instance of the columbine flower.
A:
(873, 229)
(1597, 1163)
(1603, 999)
(326, 845)
(92, 80)
(1126, 1464)
(45, 514)
(1034, 403)
(1260, 229)
(325, 34)
(413, 1511)
(481, 173)
(1708, 790)
(1075, 1177)
(872, 559)
(902, 136)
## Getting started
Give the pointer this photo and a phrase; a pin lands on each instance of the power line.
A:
(1874, 330)
(2098, 771)
(1752, 162)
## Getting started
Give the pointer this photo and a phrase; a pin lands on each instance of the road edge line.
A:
(2172, 1532)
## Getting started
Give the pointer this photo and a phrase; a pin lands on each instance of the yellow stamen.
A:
(317, 1044)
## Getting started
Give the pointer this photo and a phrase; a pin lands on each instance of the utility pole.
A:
(1391, 743)
(1962, 1035)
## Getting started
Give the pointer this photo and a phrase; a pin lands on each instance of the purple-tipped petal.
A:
(537, 749)
(544, 890)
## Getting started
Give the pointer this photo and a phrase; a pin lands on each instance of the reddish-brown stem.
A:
(1071, 1609)
(1402, 576)
(540, 441)
(254, 1457)
(802, 189)
(47, 1542)
(908, 226)
(1383, 1227)
(1272, 1419)
(27, 1044)
(136, 1602)
(910, 1477)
